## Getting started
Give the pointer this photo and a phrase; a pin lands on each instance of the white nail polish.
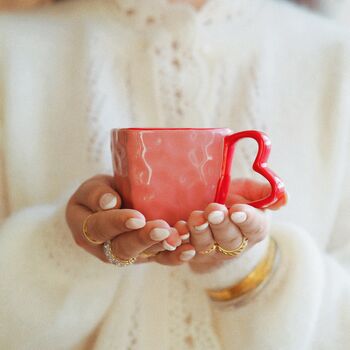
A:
(168, 246)
(239, 217)
(158, 234)
(201, 227)
(216, 217)
(108, 201)
(187, 255)
(185, 236)
(135, 224)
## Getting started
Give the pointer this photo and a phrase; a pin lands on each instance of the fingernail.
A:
(216, 217)
(158, 234)
(168, 246)
(108, 201)
(187, 255)
(239, 217)
(185, 236)
(134, 223)
(201, 227)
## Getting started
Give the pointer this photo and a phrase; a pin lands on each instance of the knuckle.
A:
(92, 198)
(97, 229)
(143, 239)
(194, 215)
(118, 220)
(259, 230)
(235, 240)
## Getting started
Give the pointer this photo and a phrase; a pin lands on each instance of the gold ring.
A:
(208, 251)
(113, 259)
(85, 232)
(235, 252)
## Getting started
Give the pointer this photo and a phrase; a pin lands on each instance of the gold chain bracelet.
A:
(252, 281)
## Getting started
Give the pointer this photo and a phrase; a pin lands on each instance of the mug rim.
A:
(168, 129)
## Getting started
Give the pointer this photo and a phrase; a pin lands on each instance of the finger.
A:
(131, 244)
(252, 222)
(183, 254)
(224, 231)
(155, 249)
(97, 194)
(184, 232)
(103, 225)
(247, 190)
(180, 227)
(200, 235)
(281, 202)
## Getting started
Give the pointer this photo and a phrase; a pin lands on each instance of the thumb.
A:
(248, 190)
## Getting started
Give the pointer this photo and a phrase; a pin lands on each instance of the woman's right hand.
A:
(127, 229)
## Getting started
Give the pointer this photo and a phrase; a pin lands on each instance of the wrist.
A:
(231, 271)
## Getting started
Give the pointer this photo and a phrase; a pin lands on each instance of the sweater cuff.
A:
(232, 271)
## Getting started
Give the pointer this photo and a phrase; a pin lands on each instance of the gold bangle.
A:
(252, 281)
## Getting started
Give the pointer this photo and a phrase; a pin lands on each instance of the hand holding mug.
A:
(97, 203)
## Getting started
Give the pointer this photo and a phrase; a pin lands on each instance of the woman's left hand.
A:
(227, 227)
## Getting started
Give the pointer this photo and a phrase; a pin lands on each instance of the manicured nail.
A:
(239, 217)
(168, 246)
(201, 227)
(158, 234)
(185, 236)
(187, 255)
(216, 217)
(135, 224)
(108, 201)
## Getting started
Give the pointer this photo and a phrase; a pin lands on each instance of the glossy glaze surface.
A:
(167, 173)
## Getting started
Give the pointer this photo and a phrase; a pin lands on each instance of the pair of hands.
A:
(132, 236)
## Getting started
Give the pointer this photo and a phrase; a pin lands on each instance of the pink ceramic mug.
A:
(168, 173)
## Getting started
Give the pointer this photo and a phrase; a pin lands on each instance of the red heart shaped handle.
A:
(259, 165)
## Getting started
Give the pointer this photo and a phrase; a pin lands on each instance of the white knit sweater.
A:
(70, 72)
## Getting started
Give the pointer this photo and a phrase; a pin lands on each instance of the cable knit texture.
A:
(72, 71)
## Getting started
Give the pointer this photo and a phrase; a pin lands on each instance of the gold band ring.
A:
(85, 232)
(113, 259)
(235, 252)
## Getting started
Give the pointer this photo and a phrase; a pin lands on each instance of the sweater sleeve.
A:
(305, 305)
(50, 289)
(48, 285)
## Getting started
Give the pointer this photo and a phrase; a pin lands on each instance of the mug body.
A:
(167, 173)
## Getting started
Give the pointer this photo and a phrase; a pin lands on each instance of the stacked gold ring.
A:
(235, 252)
